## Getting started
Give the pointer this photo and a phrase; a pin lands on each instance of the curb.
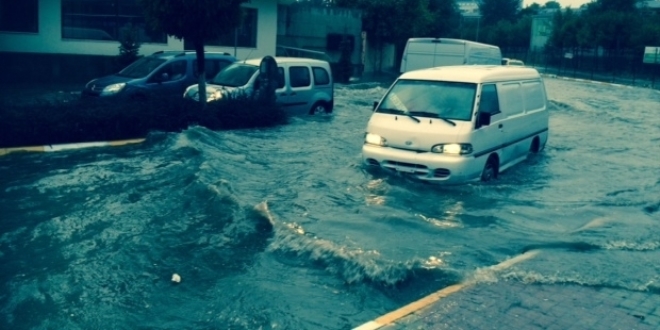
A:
(420, 304)
(546, 75)
(69, 146)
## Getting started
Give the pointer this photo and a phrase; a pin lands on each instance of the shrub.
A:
(129, 46)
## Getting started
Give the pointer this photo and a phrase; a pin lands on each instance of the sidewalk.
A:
(514, 305)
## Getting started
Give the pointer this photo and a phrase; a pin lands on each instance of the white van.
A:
(512, 62)
(458, 124)
(304, 86)
(423, 53)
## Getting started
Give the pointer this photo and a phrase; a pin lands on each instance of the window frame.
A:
(105, 20)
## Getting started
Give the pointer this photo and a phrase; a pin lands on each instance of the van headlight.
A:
(112, 89)
(375, 139)
(452, 149)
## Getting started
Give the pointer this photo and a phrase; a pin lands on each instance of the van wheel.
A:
(536, 146)
(319, 107)
(490, 169)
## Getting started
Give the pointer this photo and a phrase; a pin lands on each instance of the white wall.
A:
(49, 39)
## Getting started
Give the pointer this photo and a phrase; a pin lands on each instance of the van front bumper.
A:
(426, 166)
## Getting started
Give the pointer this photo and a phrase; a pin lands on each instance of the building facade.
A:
(53, 33)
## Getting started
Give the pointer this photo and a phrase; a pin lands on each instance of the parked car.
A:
(457, 124)
(512, 62)
(168, 72)
(304, 86)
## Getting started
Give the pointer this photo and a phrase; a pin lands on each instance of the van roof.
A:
(472, 73)
(448, 41)
(280, 59)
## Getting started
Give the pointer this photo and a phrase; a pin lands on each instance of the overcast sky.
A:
(564, 3)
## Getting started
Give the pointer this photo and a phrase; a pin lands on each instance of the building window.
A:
(244, 36)
(105, 20)
(19, 16)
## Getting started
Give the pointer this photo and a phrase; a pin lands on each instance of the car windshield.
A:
(142, 67)
(235, 75)
(433, 99)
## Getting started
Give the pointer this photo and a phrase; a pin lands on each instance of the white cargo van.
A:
(423, 53)
(458, 124)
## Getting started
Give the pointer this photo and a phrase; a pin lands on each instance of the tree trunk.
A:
(201, 72)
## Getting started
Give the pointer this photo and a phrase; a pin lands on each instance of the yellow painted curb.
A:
(415, 306)
(69, 146)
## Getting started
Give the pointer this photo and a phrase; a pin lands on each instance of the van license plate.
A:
(405, 169)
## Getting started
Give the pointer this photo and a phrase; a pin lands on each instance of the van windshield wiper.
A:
(433, 115)
(411, 116)
(398, 112)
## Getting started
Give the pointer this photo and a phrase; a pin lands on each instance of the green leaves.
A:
(193, 19)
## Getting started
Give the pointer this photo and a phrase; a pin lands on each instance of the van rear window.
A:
(321, 76)
(433, 99)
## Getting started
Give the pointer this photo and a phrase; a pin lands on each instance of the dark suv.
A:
(168, 72)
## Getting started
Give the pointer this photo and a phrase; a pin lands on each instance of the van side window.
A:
(489, 102)
(299, 76)
(280, 77)
(321, 76)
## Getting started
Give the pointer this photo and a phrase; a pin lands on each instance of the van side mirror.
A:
(373, 108)
(484, 119)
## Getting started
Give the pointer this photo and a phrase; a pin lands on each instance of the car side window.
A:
(489, 102)
(175, 71)
(299, 76)
(321, 76)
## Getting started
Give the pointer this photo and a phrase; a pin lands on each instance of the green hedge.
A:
(86, 120)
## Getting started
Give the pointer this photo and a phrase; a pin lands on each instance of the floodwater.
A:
(283, 228)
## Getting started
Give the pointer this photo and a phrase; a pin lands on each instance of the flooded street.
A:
(283, 228)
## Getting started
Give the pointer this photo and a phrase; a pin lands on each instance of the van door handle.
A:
(500, 126)
(292, 93)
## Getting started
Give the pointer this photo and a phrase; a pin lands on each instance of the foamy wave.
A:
(531, 277)
(631, 246)
(352, 264)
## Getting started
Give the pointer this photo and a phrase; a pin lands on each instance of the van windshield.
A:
(142, 67)
(235, 75)
(433, 99)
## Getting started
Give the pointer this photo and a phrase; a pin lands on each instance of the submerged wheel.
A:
(490, 170)
(319, 107)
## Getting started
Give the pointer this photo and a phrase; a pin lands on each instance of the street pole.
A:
(478, 23)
